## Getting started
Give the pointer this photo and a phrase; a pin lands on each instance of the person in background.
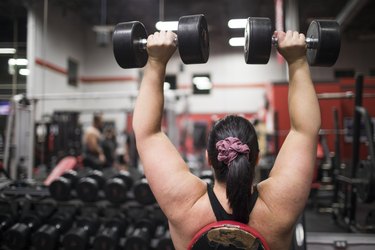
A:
(93, 155)
(271, 207)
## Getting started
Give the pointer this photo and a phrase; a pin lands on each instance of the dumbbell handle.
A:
(312, 43)
(143, 43)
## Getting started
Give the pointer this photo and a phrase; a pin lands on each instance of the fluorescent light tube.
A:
(237, 23)
(170, 25)
(237, 41)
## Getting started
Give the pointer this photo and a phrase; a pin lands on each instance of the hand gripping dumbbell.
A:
(108, 236)
(142, 192)
(141, 236)
(47, 236)
(130, 42)
(323, 41)
(79, 237)
(61, 188)
(116, 188)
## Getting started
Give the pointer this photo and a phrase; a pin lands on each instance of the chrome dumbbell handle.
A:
(312, 43)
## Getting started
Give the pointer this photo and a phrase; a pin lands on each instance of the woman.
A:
(273, 206)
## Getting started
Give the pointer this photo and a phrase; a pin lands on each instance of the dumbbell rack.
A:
(35, 199)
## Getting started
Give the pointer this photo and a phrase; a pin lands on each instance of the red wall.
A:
(344, 106)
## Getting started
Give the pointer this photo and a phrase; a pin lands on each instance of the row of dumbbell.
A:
(68, 229)
(95, 185)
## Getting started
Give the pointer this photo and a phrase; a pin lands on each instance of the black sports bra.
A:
(218, 209)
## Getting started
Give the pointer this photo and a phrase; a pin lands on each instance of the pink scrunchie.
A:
(229, 148)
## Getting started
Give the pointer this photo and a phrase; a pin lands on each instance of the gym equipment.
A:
(64, 165)
(323, 41)
(141, 236)
(117, 187)
(78, 237)
(163, 238)
(47, 236)
(88, 187)
(299, 235)
(366, 186)
(130, 42)
(18, 236)
(142, 192)
(109, 236)
(228, 235)
(61, 188)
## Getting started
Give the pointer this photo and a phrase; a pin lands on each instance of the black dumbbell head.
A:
(327, 49)
(87, 189)
(143, 193)
(116, 188)
(45, 238)
(17, 236)
(258, 40)
(76, 239)
(60, 189)
(126, 48)
(193, 39)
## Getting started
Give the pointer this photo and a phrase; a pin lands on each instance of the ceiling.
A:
(358, 22)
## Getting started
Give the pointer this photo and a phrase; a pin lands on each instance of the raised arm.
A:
(290, 179)
(174, 187)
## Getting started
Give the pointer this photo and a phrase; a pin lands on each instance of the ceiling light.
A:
(237, 23)
(18, 61)
(170, 25)
(202, 82)
(24, 72)
(7, 51)
(237, 41)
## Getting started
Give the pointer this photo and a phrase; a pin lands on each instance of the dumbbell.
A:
(116, 188)
(78, 238)
(130, 42)
(163, 238)
(323, 41)
(141, 236)
(61, 188)
(17, 237)
(142, 192)
(6, 221)
(89, 186)
(109, 235)
(47, 236)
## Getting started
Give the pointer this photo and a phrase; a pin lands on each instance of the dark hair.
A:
(239, 176)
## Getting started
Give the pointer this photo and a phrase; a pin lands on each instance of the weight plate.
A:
(258, 40)
(365, 190)
(193, 39)
(327, 48)
(143, 193)
(87, 189)
(115, 190)
(60, 189)
(128, 51)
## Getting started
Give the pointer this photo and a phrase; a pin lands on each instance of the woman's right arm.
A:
(290, 180)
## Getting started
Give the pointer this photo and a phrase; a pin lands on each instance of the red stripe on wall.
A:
(227, 86)
(51, 66)
(85, 79)
(97, 79)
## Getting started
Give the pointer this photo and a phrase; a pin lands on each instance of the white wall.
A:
(237, 86)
